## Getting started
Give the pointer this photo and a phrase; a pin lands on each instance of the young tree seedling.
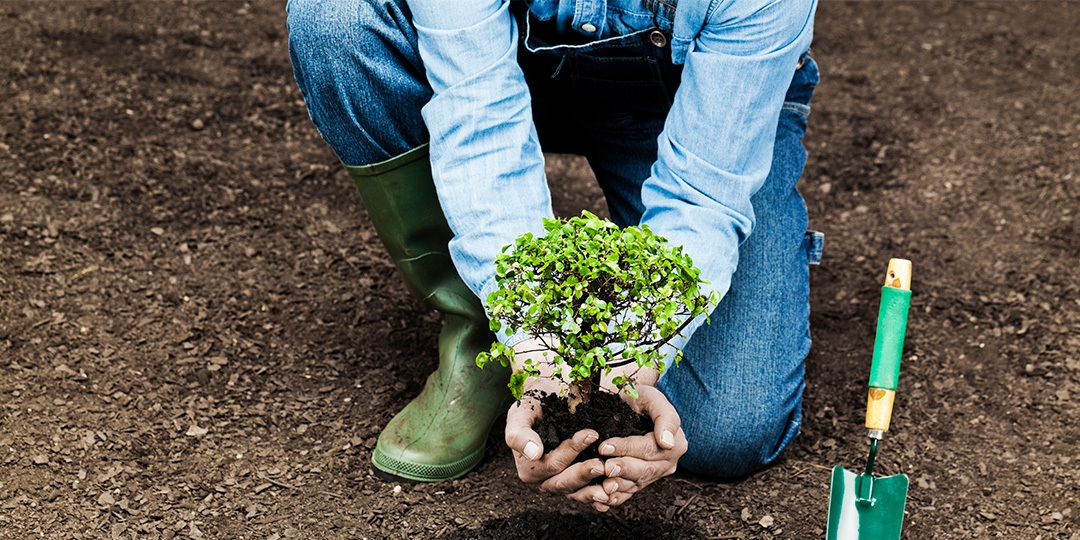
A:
(596, 297)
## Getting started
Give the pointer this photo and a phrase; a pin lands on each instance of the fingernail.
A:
(602, 499)
(597, 471)
(616, 471)
(668, 438)
(609, 489)
(531, 451)
(591, 438)
(607, 450)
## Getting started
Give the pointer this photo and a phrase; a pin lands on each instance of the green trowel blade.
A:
(863, 507)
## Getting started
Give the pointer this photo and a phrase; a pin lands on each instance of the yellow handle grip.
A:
(879, 408)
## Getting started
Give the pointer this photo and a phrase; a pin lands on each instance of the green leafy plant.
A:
(597, 297)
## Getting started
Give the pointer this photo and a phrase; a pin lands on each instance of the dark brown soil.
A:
(200, 335)
(605, 413)
(534, 525)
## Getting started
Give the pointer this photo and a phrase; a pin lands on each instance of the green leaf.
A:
(517, 384)
(482, 359)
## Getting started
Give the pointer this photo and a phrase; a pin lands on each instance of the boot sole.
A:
(394, 470)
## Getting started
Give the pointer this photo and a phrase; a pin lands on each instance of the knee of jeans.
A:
(322, 29)
(737, 439)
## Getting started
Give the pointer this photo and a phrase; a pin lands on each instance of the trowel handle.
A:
(888, 346)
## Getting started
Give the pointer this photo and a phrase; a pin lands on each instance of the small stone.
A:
(766, 521)
(197, 124)
(41, 459)
(745, 515)
(157, 230)
(196, 431)
(106, 499)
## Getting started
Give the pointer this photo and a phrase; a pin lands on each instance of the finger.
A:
(617, 498)
(666, 421)
(591, 495)
(576, 478)
(520, 436)
(565, 454)
(640, 446)
(644, 447)
(557, 461)
(639, 472)
(625, 485)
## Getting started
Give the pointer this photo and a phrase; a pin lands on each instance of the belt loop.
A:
(661, 9)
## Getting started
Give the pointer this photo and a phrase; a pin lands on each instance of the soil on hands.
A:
(605, 413)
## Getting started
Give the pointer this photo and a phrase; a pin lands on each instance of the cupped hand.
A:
(554, 471)
(636, 462)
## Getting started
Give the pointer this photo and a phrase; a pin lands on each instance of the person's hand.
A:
(555, 470)
(635, 462)
(638, 461)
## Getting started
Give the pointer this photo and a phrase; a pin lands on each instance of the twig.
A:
(686, 504)
(809, 464)
(685, 481)
(280, 484)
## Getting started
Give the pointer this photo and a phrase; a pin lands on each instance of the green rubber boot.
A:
(441, 434)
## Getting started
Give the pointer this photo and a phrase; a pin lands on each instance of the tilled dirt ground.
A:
(201, 335)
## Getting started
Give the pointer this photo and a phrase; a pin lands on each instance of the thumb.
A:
(666, 421)
(520, 436)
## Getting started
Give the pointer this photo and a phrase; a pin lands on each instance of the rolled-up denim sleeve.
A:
(485, 155)
(716, 147)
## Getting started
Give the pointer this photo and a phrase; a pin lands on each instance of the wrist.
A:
(538, 354)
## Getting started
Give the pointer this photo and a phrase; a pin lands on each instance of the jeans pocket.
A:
(814, 243)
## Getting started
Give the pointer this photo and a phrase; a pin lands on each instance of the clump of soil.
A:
(605, 413)
(535, 525)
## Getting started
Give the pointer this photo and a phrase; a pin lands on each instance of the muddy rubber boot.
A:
(441, 434)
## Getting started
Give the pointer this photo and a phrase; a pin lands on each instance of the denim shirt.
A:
(715, 150)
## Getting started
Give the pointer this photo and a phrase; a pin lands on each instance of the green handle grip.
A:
(889, 343)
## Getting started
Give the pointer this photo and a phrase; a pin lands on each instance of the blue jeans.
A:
(739, 387)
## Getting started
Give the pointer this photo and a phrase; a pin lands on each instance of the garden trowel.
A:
(861, 506)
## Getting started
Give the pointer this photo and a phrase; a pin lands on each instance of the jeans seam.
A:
(796, 107)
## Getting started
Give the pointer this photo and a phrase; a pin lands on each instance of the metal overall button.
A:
(657, 38)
